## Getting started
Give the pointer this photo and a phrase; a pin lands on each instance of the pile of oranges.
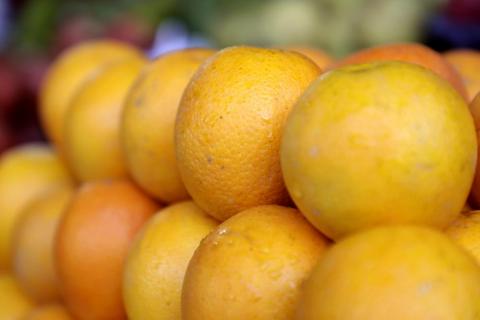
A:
(247, 183)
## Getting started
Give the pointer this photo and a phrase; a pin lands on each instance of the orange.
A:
(465, 231)
(396, 273)
(147, 131)
(25, 172)
(320, 57)
(467, 62)
(13, 303)
(33, 242)
(49, 312)
(413, 53)
(252, 266)
(229, 125)
(158, 260)
(68, 73)
(92, 244)
(366, 146)
(92, 124)
(475, 110)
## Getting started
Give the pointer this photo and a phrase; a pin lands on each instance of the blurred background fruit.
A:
(26, 172)
(33, 33)
(14, 305)
(33, 244)
(49, 312)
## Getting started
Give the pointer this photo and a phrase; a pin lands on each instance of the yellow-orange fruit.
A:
(14, 305)
(320, 57)
(229, 125)
(93, 240)
(252, 266)
(68, 73)
(25, 173)
(396, 273)
(366, 146)
(148, 123)
(465, 231)
(49, 312)
(33, 243)
(157, 262)
(92, 124)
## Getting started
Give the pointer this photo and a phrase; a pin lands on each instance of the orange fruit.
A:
(92, 244)
(13, 303)
(320, 57)
(229, 125)
(33, 242)
(366, 146)
(393, 272)
(92, 123)
(475, 111)
(252, 266)
(467, 62)
(409, 52)
(68, 73)
(25, 172)
(147, 131)
(157, 262)
(465, 231)
(49, 312)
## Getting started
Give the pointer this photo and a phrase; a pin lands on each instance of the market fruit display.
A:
(267, 183)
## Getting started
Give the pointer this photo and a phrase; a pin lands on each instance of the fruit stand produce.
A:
(256, 177)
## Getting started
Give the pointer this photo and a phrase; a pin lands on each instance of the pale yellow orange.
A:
(147, 131)
(92, 125)
(25, 172)
(155, 268)
(366, 146)
(68, 73)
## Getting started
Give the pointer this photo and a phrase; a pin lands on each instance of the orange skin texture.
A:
(92, 244)
(33, 243)
(229, 126)
(365, 146)
(465, 231)
(475, 111)
(92, 126)
(26, 172)
(148, 123)
(409, 52)
(393, 272)
(320, 57)
(467, 63)
(49, 312)
(252, 266)
(68, 73)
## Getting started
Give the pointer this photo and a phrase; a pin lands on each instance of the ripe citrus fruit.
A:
(229, 125)
(158, 260)
(92, 243)
(148, 123)
(252, 266)
(49, 312)
(467, 62)
(13, 303)
(92, 124)
(397, 273)
(366, 146)
(33, 243)
(25, 172)
(320, 57)
(70, 72)
(465, 231)
(413, 53)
